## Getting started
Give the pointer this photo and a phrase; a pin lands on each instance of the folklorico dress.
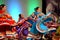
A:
(33, 29)
(23, 29)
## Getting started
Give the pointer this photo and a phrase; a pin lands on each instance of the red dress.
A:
(1, 12)
(5, 21)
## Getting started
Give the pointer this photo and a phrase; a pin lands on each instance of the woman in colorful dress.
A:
(41, 27)
(33, 31)
(3, 11)
(4, 22)
(22, 30)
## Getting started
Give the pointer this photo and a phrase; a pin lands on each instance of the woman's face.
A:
(22, 16)
(4, 8)
(38, 10)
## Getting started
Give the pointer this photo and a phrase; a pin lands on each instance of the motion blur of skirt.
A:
(52, 31)
(29, 39)
(33, 29)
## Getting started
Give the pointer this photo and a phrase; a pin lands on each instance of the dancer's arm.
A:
(29, 23)
(21, 21)
(41, 14)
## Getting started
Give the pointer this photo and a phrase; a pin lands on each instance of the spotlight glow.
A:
(14, 8)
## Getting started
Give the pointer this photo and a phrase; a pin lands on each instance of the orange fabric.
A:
(8, 16)
(3, 18)
(7, 21)
(11, 21)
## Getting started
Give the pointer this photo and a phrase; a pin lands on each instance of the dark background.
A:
(44, 5)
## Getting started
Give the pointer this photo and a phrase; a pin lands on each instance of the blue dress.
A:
(30, 20)
(33, 29)
(42, 26)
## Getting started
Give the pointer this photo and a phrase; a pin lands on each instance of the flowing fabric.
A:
(33, 29)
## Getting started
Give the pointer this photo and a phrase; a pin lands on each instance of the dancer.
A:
(23, 27)
(37, 13)
(33, 31)
(41, 27)
(4, 16)
(5, 20)
(3, 11)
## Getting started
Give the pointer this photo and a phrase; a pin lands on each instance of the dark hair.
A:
(36, 8)
(20, 15)
(1, 6)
